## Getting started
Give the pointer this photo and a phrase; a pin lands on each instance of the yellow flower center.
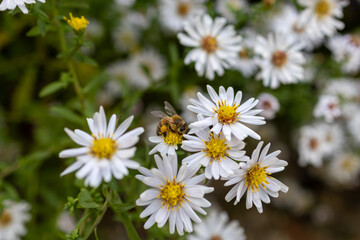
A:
(296, 28)
(103, 148)
(227, 114)
(209, 44)
(172, 138)
(355, 40)
(313, 143)
(5, 219)
(183, 9)
(172, 194)
(244, 54)
(77, 23)
(322, 8)
(256, 176)
(216, 237)
(279, 58)
(216, 148)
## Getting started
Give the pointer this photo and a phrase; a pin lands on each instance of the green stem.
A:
(70, 62)
(9, 170)
(99, 217)
(130, 229)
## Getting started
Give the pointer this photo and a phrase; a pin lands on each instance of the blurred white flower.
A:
(215, 46)
(126, 38)
(173, 13)
(95, 29)
(65, 222)
(225, 113)
(327, 107)
(334, 138)
(287, 23)
(344, 168)
(125, 3)
(269, 105)
(187, 94)
(346, 50)
(311, 145)
(12, 4)
(280, 60)
(12, 220)
(217, 227)
(174, 195)
(244, 61)
(104, 153)
(354, 126)
(345, 88)
(146, 67)
(214, 152)
(254, 178)
(227, 8)
(321, 16)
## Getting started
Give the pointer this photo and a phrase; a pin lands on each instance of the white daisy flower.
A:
(245, 62)
(12, 4)
(215, 46)
(345, 168)
(280, 60)
(12, 220)
(346, 50)
(217, 227)
(104, 153)
(166, 144)
(227, 8)
(225, 114)
(146, 67)
(269, 105)
(327, 107)
(254, 177)
(312, 145)
(174, 195)
(173, 13)
(287, 22)
(321, 16)
(214, 152)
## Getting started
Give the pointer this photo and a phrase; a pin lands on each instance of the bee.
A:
(170, 121)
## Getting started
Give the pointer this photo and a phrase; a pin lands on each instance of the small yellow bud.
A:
(77, 23)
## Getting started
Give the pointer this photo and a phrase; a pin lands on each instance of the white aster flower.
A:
(225, 114)
(321, 16)
(254, 178)
(174, 195)
(167, 144)
(214, 152)
(227, 8)
(312, 145)
(245, 62)
(173, 13)
(146, 67)
(280, 60)
(217, 227)
(12, 4)
(215, 46)
(287, 22)
(346, 50)
(327, 107)
(345, 168)
(269, 105)
(12, 220)
(104, 153)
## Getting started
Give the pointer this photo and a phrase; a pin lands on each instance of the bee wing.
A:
(159, 114)
(169, 109)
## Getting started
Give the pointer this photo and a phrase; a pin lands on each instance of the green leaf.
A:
(51, 88)
(33, 32)
(95, 82)
(40, 13)
(67, 114)
(81, 58)
(42, 26)
(85, 200)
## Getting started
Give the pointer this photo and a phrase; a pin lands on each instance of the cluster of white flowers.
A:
(331, 140)
(216, 142)
(12, 4)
